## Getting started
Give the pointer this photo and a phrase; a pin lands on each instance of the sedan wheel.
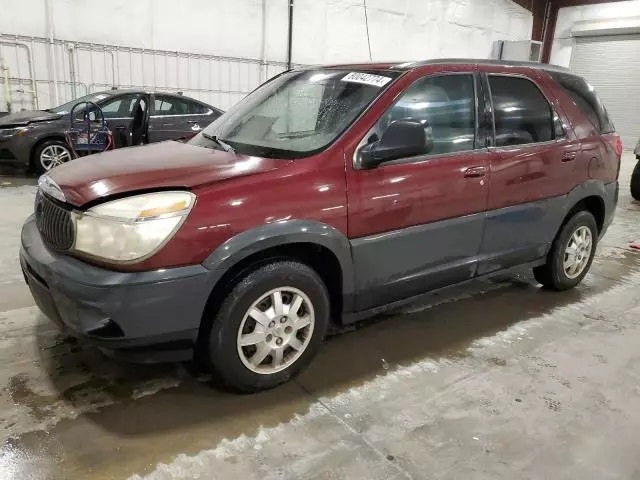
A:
(54, 155)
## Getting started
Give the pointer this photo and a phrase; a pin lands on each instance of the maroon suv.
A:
(324, 196)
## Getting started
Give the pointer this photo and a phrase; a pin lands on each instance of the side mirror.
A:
(403, 138)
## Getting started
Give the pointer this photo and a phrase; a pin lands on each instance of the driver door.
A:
(416, 223)
(118, 113)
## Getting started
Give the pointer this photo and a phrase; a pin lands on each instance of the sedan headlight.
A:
(10, 132)
(131, 228)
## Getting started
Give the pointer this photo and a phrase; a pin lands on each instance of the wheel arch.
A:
(589, 196)
(49, 137)
(322, 247)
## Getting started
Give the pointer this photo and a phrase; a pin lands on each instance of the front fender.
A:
(287, 232)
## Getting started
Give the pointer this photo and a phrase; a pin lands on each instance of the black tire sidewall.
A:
(223, 357)
(36, 165)
(635, 182)
(559, 277)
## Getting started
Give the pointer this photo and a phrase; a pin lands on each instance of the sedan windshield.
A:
(296, 114)
(66, 107)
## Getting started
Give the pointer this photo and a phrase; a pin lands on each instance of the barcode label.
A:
(367, 79)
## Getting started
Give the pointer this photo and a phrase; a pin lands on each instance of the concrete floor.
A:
(497, 380)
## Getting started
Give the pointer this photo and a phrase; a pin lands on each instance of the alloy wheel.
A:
(577, 252)
(54, 155)
(276, 330)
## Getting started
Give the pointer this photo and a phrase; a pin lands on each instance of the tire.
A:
(553, 275)
(635, 182)
(238, 367)
(57, 151)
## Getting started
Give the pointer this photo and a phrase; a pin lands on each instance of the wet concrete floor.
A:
(490, 380)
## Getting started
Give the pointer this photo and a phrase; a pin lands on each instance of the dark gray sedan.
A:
(36, 139)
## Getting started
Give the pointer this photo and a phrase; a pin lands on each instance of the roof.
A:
(484, 61)
(448, 61)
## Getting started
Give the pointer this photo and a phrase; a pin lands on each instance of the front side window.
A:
(521, 112)
(444, 104)
(120, 107)
(298, 113)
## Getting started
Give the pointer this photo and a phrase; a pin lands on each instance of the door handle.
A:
(568, 156)
(475, 172)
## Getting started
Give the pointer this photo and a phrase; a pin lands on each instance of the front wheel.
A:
(635, 182)
(571, 254)
(49, 155)
(269, 327)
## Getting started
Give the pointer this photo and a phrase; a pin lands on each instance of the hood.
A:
(155, 166)
(20, 119)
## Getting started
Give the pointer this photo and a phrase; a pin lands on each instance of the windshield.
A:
(297, 113)
(66, 107)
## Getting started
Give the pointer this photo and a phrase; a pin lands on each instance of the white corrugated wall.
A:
(218, 50)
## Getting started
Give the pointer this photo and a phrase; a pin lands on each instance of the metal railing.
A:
(83, 68)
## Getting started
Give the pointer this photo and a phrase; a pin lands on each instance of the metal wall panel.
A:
(612, 65)
(83, 68)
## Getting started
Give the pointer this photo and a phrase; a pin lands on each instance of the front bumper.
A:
(15, 150)
(141, 316)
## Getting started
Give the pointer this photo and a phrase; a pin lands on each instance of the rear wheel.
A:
(49, 155)
(571, 254)
(635, 182)
(269, 327)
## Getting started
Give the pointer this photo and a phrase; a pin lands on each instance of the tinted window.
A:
(446, 104)
(521, 113)
(121, 106)
(584, 96)
(197, 108)
(167, 105)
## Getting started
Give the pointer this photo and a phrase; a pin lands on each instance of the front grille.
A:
(54, 223)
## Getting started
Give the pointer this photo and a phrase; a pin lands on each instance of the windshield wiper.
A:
(225, 146)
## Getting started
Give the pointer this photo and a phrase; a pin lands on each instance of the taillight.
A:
(618, 145)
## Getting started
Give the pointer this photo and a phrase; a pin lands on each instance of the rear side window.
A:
(197, 108)
(521, 112)
(584, 96)
(167, 105)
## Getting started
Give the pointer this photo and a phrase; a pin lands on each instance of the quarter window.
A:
(521, 113)
(584, 96)
(446, 106)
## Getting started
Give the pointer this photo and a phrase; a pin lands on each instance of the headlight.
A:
(10, 132)
(132, 228)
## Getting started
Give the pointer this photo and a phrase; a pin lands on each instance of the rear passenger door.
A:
(173, 117)
(534, 163)
(416, 223)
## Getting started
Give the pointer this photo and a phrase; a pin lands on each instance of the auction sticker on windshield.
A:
(367, 79)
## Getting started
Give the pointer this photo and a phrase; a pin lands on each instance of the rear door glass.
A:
(522, 114)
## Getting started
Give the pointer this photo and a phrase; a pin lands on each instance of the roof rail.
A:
(483, 61)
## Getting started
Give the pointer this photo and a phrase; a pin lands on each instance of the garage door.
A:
(612, 65)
